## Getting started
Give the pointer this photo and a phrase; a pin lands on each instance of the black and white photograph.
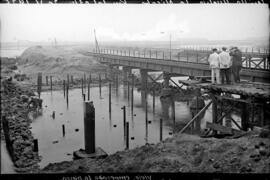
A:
(135, 88)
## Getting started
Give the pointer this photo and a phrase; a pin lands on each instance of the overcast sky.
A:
(67, 22)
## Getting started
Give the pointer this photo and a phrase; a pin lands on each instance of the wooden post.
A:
(35, 149)
(64, 87)
(124, 118)
(39, 83)
(264, 63)
(89, 127)
(173, 111)
(214, 110)
(197, 107)
(154, 94)
(128, 89)
(47, 82)
(83, 97)
(110, 99)
(82, 86)
(67, 88)
(160, 130)
(71, 78)
(88, 86)
(127, 135)
(63, 130)
(132, 93)
(53, 115)
(262, 123)
(90, 78)
(146, 108)
(245, 116)
(84, 80)
(51, 82)
(116, 82)
(99, 78)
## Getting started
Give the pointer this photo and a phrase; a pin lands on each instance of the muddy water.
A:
(54, 147)
(7, 166)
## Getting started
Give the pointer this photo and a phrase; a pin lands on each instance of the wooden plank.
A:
(188, 82)
(220, 128)
(195, 117)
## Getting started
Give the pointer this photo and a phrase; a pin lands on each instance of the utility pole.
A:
(170, 46)
(96, 42)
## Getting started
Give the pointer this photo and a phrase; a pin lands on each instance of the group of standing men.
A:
(224, 65)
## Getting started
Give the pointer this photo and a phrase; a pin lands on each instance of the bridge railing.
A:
(249, 60)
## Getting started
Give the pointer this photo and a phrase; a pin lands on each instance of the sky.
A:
(132, 22)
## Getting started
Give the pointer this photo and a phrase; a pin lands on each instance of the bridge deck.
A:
(256, 90)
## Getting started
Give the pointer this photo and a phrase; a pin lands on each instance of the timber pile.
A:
(255, 90)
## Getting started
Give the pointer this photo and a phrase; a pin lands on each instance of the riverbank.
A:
(182, 153)
(16, 103)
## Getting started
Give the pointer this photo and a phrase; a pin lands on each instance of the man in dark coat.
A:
(236, 63)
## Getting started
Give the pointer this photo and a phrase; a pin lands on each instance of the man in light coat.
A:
(225, 65)
(214, 65)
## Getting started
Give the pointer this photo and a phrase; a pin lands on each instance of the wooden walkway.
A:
(256, 90)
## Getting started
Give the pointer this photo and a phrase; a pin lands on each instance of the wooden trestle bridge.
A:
(253, 90)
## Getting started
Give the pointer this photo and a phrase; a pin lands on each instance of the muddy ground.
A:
(181, 153)
(16, 103)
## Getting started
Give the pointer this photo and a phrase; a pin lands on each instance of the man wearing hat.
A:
(214, 65)
(225, 65)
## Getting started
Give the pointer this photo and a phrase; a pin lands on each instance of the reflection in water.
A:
(109, 127)
(165, 105)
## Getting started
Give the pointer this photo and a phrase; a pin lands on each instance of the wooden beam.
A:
(159, 76)
(226, 113)
(179, 87)
(220, 128)
(195, 117)
(235, 123)
(245, 116)
(234, 99)
(153, 80)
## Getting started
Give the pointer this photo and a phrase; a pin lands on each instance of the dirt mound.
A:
(57, 61)
(182, 153)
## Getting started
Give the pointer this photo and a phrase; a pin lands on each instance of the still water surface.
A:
(54, 147)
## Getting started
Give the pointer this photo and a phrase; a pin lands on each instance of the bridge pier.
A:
(126, 73)
(166, 77)
(166, 91)
(111, 72)
(144, 76)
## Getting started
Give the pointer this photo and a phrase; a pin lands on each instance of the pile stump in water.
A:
(90, 150)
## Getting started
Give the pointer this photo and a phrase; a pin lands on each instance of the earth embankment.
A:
(57, 61)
